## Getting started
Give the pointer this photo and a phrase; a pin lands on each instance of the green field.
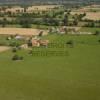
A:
(72, 77)
(86, 29)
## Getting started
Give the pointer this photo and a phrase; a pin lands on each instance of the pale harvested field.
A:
(90, 8)
(92, 16)
(21, 31)
(4, 48)
(93, 7)
(76, 12)
(89, 15)
(8, 18)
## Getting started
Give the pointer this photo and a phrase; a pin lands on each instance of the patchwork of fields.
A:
(61, 62)
(92, 12)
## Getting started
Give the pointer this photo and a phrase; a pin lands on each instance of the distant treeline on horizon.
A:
(49, 1)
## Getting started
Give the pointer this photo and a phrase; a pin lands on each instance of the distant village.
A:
(30, 9)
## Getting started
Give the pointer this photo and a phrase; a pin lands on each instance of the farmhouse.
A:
(38, 43)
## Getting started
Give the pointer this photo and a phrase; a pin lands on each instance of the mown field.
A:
(87, 29)
(72, 77)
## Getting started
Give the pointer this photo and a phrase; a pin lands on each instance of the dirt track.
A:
(21, 31)
(4, 48)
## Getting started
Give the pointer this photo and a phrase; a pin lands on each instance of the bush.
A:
(14, 44)
(99, 41)
(26, 25)
(30, 52)
(97, 33)
(70, 43)
(21, 58)
(16, 57)
(29, 43)
(14, 50)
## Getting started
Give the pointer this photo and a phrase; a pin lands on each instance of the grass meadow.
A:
(72, 77)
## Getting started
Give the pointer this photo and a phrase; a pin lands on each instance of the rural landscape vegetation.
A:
(50, 50)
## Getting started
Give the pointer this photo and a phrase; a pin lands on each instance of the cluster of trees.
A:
(91, 23)
(53, 18)
(26, 19)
